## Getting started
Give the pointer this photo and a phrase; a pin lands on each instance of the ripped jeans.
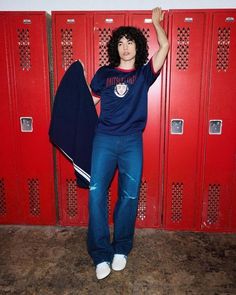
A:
(110, 152)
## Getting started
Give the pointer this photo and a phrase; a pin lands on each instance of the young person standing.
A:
(122, 88)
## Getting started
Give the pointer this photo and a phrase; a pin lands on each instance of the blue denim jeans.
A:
(110, 152)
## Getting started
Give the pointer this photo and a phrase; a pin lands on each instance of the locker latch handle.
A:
(177, 126)
(215, 127)
(26, 124)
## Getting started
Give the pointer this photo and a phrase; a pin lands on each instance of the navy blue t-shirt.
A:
(123, 96)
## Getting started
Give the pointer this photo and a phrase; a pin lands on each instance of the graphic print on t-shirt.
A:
(123, 96)
(121, 89)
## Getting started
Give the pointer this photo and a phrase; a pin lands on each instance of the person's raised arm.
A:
(159, 56)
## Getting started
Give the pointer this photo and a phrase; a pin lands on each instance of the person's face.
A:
(126, 49)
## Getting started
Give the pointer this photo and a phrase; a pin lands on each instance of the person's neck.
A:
(126, 65)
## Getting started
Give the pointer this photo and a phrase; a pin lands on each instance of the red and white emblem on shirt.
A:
(121, 89)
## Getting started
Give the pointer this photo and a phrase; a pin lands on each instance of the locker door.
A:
(149, 210)
(104, 23)
(71, 41)
(183, 119)
(28, 43)
(219, 204)
(9, 209)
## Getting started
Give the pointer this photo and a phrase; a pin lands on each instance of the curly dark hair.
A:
(132, 34)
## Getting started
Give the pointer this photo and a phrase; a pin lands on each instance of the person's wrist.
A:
(157, 25)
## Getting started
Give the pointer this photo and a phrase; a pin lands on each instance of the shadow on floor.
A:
(54, 261)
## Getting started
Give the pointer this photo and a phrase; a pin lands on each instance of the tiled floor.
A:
(54, 260)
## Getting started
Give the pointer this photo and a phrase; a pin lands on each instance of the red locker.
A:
(150, 199)
(219, 185)
(27, 99)
(184, 112)
(9, 210)
(71, 42)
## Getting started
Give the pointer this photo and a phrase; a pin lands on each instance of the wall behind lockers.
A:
(64, 5)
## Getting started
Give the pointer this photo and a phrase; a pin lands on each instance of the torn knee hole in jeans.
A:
(128, 196)
(130, 177)
(93, 187)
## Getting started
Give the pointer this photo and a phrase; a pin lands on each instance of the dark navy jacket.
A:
(73, 122)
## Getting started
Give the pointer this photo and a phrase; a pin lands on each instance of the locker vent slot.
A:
(109, 203)
(34, 196)
(142, 205)
(146, 33)
(177, 201)
(104, 37)
(71, 198)
(213, 203)
(222, 60)
(67, 48)
(24, 49)
(3, 206)
(182, 59)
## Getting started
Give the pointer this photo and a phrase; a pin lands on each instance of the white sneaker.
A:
(119, 262)
(102, 270)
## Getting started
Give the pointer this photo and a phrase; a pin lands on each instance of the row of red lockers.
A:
(189, 174)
